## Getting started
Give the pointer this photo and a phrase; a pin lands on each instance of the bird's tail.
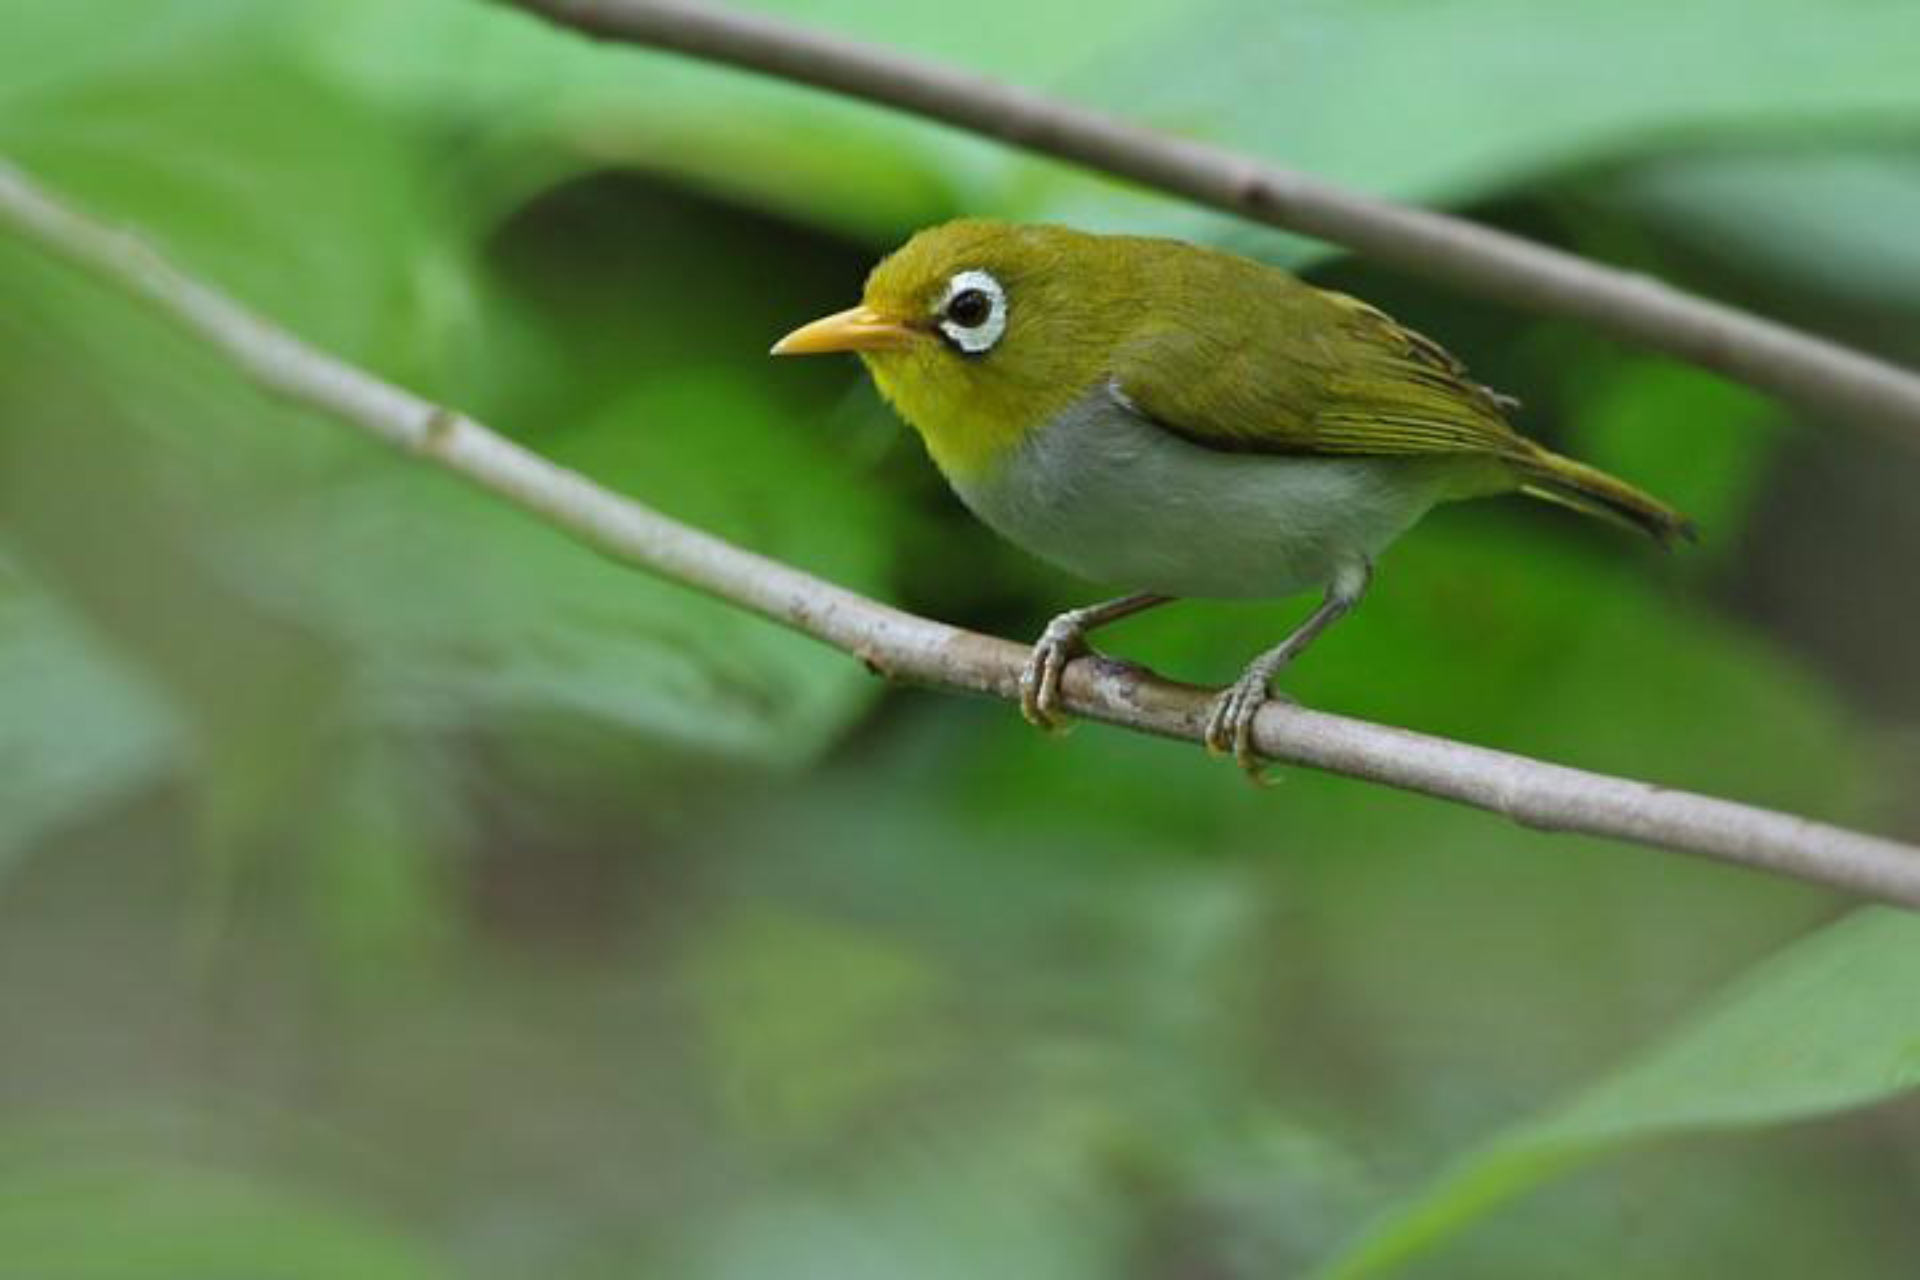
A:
(1567, 483)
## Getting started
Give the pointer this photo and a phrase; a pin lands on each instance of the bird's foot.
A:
(1062, 642)
(1230, 722)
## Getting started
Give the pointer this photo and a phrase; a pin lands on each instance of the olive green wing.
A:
(1293, 369)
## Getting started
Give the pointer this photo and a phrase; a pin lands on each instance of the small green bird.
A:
(1184, 422)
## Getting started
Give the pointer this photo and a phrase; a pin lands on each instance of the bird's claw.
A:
(1040, 680)
(1230, 724)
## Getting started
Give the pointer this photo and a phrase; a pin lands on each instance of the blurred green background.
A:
(391, 888)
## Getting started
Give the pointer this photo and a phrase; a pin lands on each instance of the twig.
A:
(1773, 357)
(897, 644)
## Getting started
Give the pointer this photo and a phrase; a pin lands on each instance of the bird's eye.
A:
(973, 312)
(970, 308)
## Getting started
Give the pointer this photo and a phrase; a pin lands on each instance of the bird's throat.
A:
(971, 427)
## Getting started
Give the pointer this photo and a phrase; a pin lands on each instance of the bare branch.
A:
(1773, 357)
(1548, 796)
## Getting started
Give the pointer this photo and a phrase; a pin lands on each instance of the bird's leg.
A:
(1230, 723)
(1064, 640)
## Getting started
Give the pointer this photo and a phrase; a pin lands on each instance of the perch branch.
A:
(1773, 357)
(900, 645)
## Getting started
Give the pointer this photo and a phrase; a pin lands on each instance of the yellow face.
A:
(977, 332)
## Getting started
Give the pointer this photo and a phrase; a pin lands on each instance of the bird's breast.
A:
(1106, 493)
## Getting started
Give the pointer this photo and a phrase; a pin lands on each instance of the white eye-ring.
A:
(973, 311)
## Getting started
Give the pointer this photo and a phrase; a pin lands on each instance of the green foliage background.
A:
(389, 888)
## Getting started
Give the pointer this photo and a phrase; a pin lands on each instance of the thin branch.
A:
(1773, 357)
(900, 645)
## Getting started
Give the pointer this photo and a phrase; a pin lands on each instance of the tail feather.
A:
(1567, 483)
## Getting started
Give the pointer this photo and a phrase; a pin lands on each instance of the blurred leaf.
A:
(52, 45)
(141, 545)
(808, 1023)
(1413, 101)
(1012, 1194)
(1826, 1025)
(78, 733)
(1449, 102)
(280, 189)
(1832, 224)
(462, 608)
(379, 835)
(538, 626)
(543, 104)
(109, 1219)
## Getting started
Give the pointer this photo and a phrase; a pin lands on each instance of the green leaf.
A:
(105, 1218)
(545, 103)
(1831, 225)
(1006, 1202)
(1826, 1025)
(1455, 101)
(271, 184)
(52, 45)
(79, 733)
(463, 609)
(307, 204)
(1437, 103)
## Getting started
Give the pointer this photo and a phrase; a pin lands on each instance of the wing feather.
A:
(1294, 369)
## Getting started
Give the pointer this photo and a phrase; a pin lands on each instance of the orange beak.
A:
(855, 329)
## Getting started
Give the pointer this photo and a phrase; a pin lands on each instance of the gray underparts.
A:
(1109, 495)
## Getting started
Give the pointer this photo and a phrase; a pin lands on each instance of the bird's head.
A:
(978, 332)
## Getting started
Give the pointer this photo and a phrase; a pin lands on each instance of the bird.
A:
(1185, 422)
